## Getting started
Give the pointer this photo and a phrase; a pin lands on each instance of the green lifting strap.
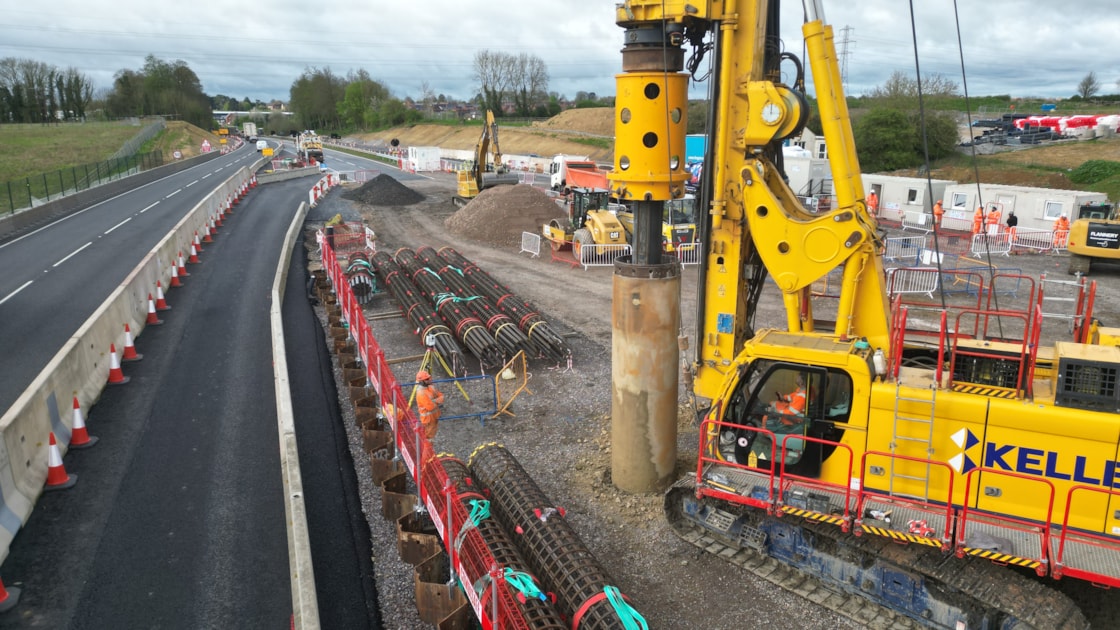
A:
(480, 509)
(631, 619)
(524, 584)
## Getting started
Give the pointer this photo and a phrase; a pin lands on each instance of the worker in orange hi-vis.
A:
(873, 203)
(938, 212)
(993, 220)
(978, 220)
(1061, 231)
(428, 401)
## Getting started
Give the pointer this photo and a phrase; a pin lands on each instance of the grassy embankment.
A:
(36, 149)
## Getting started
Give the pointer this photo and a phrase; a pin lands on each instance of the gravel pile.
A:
(383, 190)
(498, 216)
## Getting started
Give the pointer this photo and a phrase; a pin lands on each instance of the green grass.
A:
(36, 149)
(598, 143)
(363, 154)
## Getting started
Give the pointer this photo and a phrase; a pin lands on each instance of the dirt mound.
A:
(383, 190)
(498, 216)
(593, 120)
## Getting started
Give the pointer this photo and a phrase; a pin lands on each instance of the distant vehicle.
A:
(562, 164)
(249, 130)
(1093, 236)
(261, 145)
(335, 136)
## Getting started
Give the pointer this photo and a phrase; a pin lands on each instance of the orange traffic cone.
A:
(116, 376)
(57, 479)
(194, 255)
(79, 436)
(182, 267)
(237, 196)
(129, 353)
(161, 302)
(206, 233)
(197, 243)
(253, 182)
(153, 319)
(174, 277)
(9, 597)
(217, 220)
(229, 204)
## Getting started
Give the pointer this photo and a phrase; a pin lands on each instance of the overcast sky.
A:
(1018, 47)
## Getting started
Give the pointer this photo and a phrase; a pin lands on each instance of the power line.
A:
(846, 39)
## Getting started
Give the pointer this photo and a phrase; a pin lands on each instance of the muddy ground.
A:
(560, 431)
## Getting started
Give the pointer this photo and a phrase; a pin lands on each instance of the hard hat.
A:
(423, 375)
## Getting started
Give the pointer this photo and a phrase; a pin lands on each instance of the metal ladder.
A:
(901, 421)
(1065, 306)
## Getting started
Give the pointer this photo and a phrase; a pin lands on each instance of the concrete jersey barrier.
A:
(81, 367)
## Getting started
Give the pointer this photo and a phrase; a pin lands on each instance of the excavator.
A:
(482, 173)
(947, 480)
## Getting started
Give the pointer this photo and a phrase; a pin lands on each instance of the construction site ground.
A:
(560, 431)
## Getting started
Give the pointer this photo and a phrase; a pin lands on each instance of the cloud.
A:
(1022, 48)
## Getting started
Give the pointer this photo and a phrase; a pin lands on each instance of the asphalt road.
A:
(55, 277)
(177, 519)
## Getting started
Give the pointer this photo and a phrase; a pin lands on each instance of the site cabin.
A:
(1036, 208)
(906, 200)
(423, 159)
(810, 178)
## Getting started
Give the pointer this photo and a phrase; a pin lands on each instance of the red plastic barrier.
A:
(472, 559)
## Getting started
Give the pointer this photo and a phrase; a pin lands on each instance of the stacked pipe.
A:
(419, 313)
(505, 331)
(539, 610)
(546, 340)
(468, 328)
(359, 275)
(552, 548)
(473, 562)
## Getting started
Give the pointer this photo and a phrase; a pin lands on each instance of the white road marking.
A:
(72, 254)
(10, 295)
(174, 193)
(111, 229)
(207, 175)
(191, 184)
(149, 207)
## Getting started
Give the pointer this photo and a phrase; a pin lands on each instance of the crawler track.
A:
(869, 579)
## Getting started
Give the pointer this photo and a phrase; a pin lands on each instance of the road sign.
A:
(266, 152)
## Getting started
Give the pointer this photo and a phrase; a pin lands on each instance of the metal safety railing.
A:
(531, 244)
(35, 190)
(904, 249)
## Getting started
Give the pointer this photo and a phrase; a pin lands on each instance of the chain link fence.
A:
(133, 145)
(20, 194)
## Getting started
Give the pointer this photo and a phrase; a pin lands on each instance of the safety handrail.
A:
(1059, 569)
(1043, 530)
(925, 504)
(784, 475)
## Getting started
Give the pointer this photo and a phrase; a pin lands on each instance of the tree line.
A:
(160, 88)
(36, 92)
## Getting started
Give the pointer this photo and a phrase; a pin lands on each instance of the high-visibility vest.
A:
(795, 402)
(428, 400)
